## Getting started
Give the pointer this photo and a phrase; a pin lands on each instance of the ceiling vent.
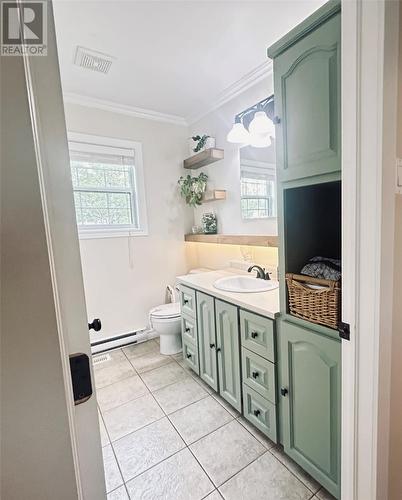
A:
(91, 59)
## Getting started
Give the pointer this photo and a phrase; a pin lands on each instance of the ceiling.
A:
(172, 57)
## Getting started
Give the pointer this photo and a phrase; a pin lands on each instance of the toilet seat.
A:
(166, 311)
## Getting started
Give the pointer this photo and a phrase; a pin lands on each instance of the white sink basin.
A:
(244, 284)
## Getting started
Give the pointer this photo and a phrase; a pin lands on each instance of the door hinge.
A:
(344, 330)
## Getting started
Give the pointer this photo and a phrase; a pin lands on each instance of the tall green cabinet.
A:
(306, 65)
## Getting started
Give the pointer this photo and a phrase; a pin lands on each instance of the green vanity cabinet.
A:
(207, 339)
(307, 96)
(228, 349)
(310, 398)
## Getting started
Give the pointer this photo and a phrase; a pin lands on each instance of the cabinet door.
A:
(311, 373)
(227, 336)
(307, 102)
(207, 339)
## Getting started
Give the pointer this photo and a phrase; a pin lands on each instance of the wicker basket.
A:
(320, 306)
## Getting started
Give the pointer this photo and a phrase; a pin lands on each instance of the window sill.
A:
(88, 234)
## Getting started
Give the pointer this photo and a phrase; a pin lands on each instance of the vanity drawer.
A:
(190, 356)
(260, 412)
(257, 334)
(187, 301)
(189, 329)
(259, 374)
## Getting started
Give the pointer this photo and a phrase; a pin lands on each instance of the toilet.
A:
(166, 321)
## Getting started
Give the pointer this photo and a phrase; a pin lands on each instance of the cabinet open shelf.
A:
(214, 195)
(203, 158)
(236, 239)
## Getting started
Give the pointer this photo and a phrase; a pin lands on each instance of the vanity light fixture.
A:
(260, 122)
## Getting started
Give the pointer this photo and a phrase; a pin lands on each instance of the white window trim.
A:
(254, 165)
(124, 145)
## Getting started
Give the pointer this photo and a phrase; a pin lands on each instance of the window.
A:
(258, 187)
(108, 186)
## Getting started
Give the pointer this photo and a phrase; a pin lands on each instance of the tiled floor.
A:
(167, 436)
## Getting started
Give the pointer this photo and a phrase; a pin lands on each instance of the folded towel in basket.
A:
(323, 268)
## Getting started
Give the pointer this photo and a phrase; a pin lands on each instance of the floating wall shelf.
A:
(235, 239)
(204, 158)
(214, 195)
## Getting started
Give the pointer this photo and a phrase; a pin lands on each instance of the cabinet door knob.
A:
(211, 346)
(189, 356)
(185, 301)
(284, 391)
(188, 329)
(256, 412)
(255, 374)
(218, 349)
(254, 335)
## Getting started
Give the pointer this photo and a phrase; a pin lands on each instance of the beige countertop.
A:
(264, 303)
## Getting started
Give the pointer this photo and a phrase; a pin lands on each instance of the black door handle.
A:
(284, 391)
(95, 325)
(211, 346)
(218, 349)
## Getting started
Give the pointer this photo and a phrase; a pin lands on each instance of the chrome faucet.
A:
(261, 274)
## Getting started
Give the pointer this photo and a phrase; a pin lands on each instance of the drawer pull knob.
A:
(188, 329)
(256, 412)
(284, 391)
(189, 356)
(185, 301)
(254, 335)
(255, 374)
(218, 349)
(211, 346)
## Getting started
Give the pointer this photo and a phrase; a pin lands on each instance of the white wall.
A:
(225, 174)
(125, 277)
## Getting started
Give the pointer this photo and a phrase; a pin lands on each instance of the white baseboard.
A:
(123, 340)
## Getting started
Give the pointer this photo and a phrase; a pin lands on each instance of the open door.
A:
(51, 447)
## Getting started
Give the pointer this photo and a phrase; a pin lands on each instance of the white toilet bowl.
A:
(166, 321)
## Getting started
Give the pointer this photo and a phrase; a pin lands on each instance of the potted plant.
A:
(192, 188)
(200, 143)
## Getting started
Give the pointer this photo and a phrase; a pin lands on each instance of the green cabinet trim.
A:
(190, 356)
(228, 349)
(189, 329)
(260, 412)
(207, 339)
(311, 372)
(318, 17)
(259, 374)
(257, 334)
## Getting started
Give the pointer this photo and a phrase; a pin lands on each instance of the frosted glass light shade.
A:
(238, 134)
(260, 140)
(261, 124)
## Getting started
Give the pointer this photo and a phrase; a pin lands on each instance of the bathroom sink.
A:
(244, 284)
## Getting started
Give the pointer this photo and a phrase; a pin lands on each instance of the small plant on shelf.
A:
(192, 188)
(201, 141)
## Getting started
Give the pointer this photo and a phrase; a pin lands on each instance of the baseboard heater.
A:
(123, 340)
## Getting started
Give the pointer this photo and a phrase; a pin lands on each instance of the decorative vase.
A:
(209, 223)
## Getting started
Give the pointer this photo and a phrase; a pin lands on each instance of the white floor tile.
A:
(119, 494)
(215, 495)
(265, 478)
(113, 373)
(150, 361)
(199, 419)
(103, 434)
(121, 392)
(323, 494)
(178, 478)
(226, 405)
(305, 478)
(256, 433)
(163, 376)
(112, 474)
(146, 447)
(182, 393)
(136, 350)
(131, 416)
(115, 356)
(226, 451)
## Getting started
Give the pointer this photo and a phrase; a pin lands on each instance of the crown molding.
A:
(244, 83)
(147, 114)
